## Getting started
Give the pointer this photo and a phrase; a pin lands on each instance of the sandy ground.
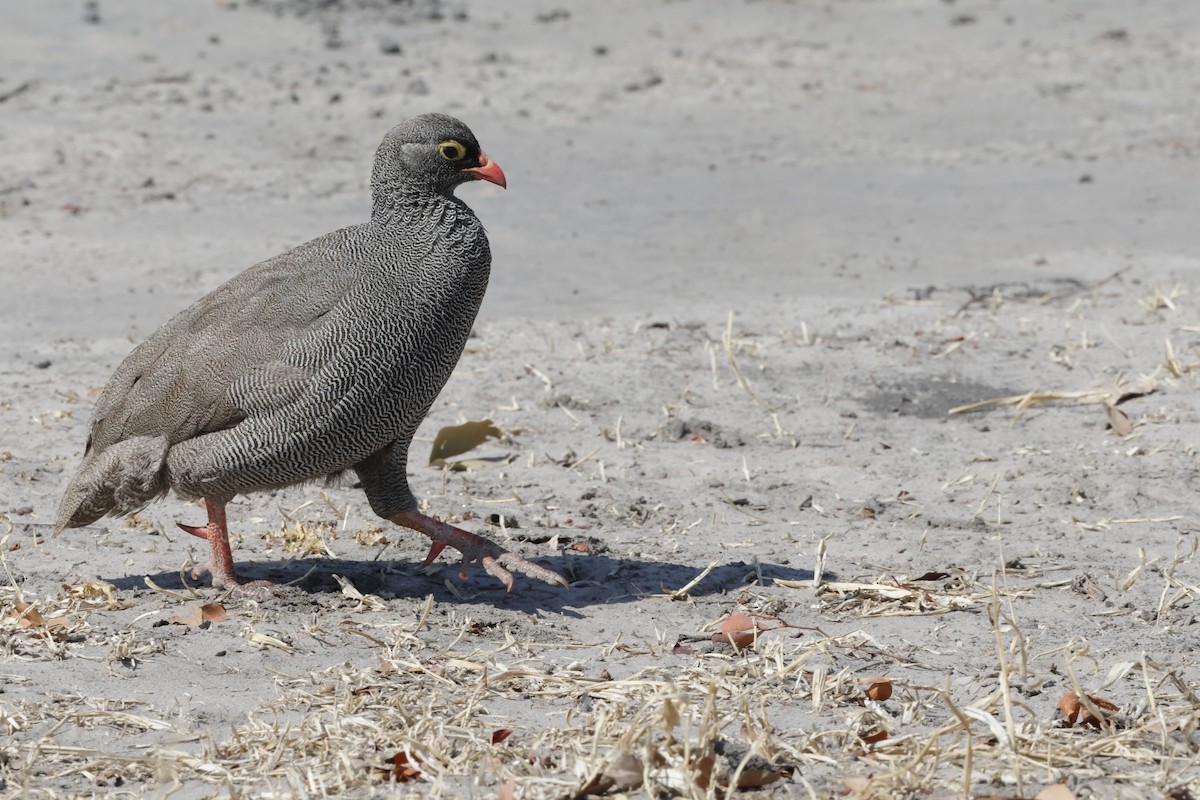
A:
(752, 256)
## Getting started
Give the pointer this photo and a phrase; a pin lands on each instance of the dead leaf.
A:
(739, 630)
(880, 689)
(856, 783)
(401, 771)
(500, 734)
(596, 786)
(624, 774)
(704, 770)
(193, 616)
(31, 619)
(1070, 708)
(213, 612)
(28, 617)
(455, 440)
(582, 547)
(1058, 791)
(1117, 420)
(752, 778)
(872, 738)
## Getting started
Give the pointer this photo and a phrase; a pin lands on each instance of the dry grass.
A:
(697, 720)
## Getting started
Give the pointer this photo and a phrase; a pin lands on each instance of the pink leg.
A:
(475, 549)
(216, 532)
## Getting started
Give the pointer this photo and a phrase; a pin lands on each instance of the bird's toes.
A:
(493, 568)
(517, 564)
(256, 590)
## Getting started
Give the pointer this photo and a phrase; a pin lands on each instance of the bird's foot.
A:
(255, 590)
(220, 566)
(495, 560)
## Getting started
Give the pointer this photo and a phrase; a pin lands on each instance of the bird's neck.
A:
(392, 205)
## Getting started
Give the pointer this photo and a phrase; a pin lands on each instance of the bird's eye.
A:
(452, 150)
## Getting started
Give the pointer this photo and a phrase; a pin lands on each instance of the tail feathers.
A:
(117, 480)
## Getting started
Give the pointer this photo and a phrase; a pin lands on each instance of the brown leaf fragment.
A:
(753, 778)
(737, 622)
(857, 784)
(1117, 420)
(193, 616)
(624, 774)
(213, 612)
(582, 547)
(28, 617)
(704, 770)
(596, 786)
(1068, 708)
(1071, 709)
(880, 689)
(402, 769)
(874, 736)
(930, 576)
(739, 630)
(739, 639)
(500, 734)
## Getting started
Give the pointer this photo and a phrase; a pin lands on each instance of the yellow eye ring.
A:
(452, 150)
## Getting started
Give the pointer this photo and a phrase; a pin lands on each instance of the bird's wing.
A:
(178, 382)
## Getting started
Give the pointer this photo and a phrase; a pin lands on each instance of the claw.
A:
(199, 531)
(220, 566)
(493, 568)
(435, 550)
(495, 560)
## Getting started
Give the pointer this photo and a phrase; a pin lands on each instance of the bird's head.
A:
(431, 153)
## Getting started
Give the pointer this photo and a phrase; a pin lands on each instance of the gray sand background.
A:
(751, 255)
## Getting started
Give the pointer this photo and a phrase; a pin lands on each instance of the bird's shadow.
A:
(595, 579)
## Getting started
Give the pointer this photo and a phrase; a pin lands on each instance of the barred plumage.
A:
(322, 359)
